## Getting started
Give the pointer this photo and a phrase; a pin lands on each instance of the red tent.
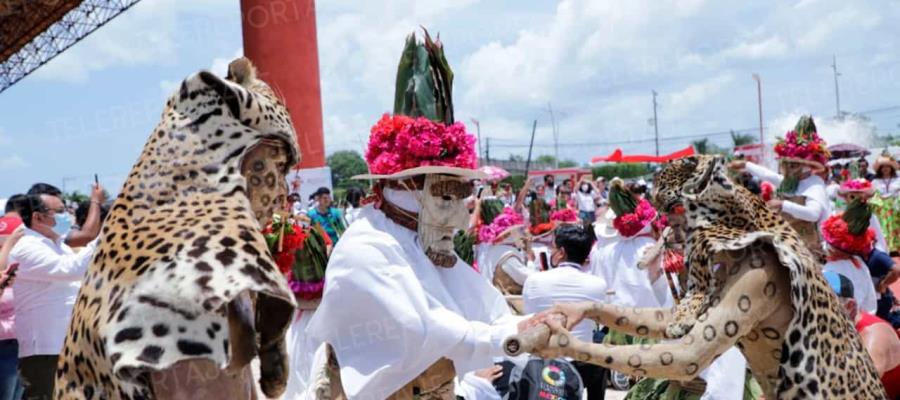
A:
(618, 157)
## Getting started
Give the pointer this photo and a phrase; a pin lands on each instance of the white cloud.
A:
(697, 94)
(220, 64)
(12, 162)
(772, 46)
(146, 34)
(167, 87)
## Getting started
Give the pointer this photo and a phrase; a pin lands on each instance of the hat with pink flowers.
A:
(421, 137)
(803, 145)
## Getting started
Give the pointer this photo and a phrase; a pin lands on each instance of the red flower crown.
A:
(632, 223)
(836, 233)
(398, 143)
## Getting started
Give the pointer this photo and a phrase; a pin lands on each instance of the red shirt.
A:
(890, 379)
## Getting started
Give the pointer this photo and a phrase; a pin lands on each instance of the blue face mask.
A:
(63, 223)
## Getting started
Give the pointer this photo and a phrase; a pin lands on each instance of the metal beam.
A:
(78, 23)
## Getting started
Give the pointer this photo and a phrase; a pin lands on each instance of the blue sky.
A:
(90, 110)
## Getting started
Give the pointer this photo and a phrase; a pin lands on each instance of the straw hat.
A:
(885, 159)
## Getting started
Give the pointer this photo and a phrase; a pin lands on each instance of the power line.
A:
(655, 123)
(637, 141)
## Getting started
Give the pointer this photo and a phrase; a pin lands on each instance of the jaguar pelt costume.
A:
(182, 273)
(753, 284)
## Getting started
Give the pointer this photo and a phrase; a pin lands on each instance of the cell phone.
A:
(481, 189)
(96, 179)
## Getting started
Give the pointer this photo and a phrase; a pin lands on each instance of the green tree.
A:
(741, 139)
(551, 160)
(704, 146)
(75, 197)
(622, 170)
(344, 165)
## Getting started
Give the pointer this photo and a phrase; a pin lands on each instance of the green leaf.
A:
(424, 81)
(464, 245)
(788, 185)
(857, 216)
(490, 209)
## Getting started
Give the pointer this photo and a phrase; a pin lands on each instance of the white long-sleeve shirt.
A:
(566, 283)
(46, 287)
(817, 207)
(390, 313)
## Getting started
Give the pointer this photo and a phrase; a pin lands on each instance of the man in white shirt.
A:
(570, 281)
(46, 287)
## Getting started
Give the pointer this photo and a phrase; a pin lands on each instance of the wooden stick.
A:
(531, 338)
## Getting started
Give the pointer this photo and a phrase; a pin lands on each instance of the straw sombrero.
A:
(885, 159)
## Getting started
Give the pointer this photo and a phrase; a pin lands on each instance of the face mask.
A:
(585, 188)
(63, 223)
(442, 212)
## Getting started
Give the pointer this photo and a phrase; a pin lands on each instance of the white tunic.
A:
(817, 208)
(616, 259)
(389, 313)
(487, 256)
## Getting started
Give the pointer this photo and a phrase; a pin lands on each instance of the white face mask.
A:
(442, 212)
(585, 188)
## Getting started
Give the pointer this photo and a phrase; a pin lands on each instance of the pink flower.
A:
(632, 223)
(564, 215)
(508, 218)
(398, 143)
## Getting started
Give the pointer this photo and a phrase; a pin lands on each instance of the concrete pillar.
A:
(280, 39)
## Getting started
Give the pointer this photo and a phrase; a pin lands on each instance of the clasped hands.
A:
(560, 319)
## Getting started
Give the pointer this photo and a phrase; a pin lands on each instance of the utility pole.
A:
(759, 103)
(478, 130)
(67, 179)
(837, 92)
(487, 151)
(530, 147)
(555, 137)
(655, 123)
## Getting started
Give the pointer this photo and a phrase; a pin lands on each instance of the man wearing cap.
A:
(802, 198)
(879, 338)
(402, 314)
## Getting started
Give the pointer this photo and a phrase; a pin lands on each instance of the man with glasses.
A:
(46, 286)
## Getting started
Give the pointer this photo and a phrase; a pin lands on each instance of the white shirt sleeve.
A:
(516, 270)
(480, 339)
(471, 387)
(811, 211)
(817, 206)
(40, 263)
(763, 173)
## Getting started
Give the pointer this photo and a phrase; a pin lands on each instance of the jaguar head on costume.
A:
(687, 177)
(181, 255)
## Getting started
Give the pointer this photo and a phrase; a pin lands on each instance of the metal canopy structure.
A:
(32, 32)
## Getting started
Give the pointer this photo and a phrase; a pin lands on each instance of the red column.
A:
(280, 39)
